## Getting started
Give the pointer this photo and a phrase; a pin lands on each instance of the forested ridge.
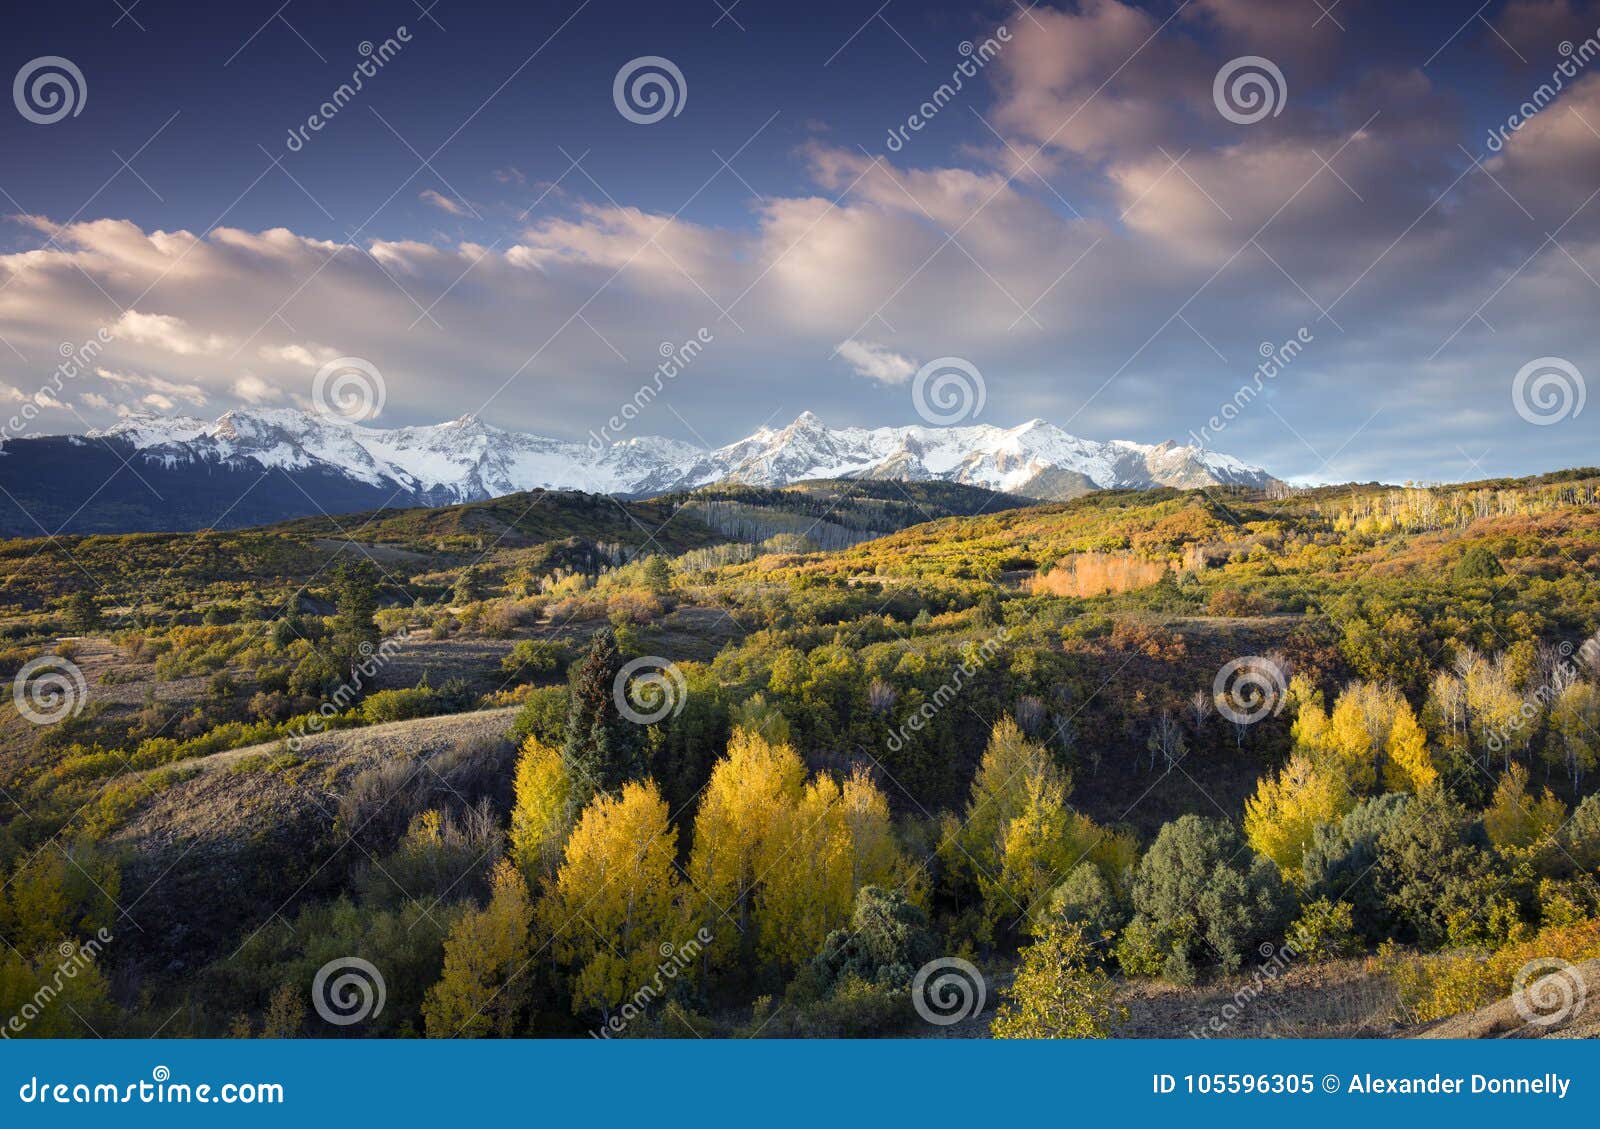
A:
(756, 780)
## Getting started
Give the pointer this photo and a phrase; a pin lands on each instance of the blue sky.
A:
(1079, 222)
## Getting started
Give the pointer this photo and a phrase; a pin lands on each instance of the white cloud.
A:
(1066, 295)
(169, 390)
(310, 355)
(442, 202)
(252, 389)
(877, 363)
(164, 331)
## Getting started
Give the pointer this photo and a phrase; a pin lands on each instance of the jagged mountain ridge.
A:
(469, 460)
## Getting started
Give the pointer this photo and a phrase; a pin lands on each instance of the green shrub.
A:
(1207, 897)
(1340, 858)
(399, 705)
(1086, 899)
(1434, 870)
(1324, 931)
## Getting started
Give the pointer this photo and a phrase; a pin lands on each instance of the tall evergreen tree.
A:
(83, 614)
(355, 598)
(603, 748)
(657, 575)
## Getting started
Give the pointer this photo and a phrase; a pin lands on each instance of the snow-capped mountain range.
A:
(469, 460)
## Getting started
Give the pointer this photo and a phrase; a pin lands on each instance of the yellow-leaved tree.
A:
(749, 791)
(823, 849)
(1280, 818)
(544, 812)
(1407, 767)
(1372, 738)
(1515, 820)
(486, 982)
(1012, 770)
(1021, 837)
(614, 900)
(1059, 993)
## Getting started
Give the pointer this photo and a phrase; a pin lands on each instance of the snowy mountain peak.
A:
(467, 459)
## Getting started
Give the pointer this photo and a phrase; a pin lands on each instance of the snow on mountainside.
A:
(468, 460)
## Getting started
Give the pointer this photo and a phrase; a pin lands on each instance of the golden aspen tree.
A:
(1311, 730)
(804, 872)
(614, 901)
(1407, 767)
(835, 841)
(748, 791)
(1036, 854)
(1575, 730)
(1012, 768)
(1514, 819)
(1372, 739)
(875, 856)
(484, 988)
(1351, 735)
(544, 811)
(1287, 806)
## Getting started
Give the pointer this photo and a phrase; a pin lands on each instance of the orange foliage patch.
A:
(1098, 574)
